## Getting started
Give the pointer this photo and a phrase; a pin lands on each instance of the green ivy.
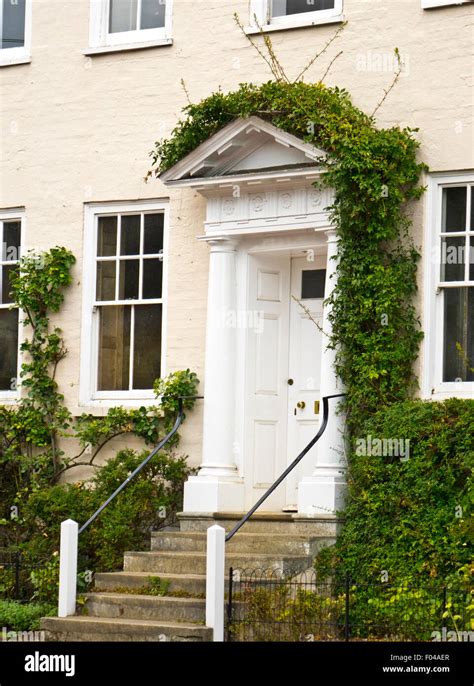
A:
(374, 173)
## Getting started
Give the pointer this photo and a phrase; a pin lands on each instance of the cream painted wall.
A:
(78, 129)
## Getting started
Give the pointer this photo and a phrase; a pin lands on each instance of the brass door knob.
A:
(290, 382)
(301, 405)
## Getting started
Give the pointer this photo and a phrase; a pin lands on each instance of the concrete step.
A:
(178, 562)
(189, 541)
(106, 629)
(268, 523)
(155, 608)
(192, 584)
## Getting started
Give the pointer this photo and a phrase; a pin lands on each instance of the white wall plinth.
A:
(213, 494)
(322, 494)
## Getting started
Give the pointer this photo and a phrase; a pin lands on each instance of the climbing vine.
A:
(374, 174)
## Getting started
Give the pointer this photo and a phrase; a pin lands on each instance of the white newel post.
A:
(215, 581)
(218, 487)
(68, 568)
(323, 492)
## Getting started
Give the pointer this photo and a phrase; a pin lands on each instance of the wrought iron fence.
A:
(15, 575)
(272, 605)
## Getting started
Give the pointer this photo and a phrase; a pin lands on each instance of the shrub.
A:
(16, 616)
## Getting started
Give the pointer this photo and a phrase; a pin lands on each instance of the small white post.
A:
(68, 568)
(215, 573)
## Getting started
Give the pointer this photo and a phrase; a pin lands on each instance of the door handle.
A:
(301, 405)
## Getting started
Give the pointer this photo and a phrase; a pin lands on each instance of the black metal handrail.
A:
(138, 469)
(283, 476)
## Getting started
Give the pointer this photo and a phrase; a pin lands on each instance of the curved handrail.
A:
(138, 469)
(283, 476)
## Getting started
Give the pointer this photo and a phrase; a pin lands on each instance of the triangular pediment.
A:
(244, 147)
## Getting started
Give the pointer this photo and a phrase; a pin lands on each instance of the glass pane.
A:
(153, 14)
(12, 24)
(471, 260)
(114, 348)
(11, 241)
(153, 242)
(107, 237)
(123, 15)
(130, 235)
(452, 259)
(472, 208)
(9, 348)
(147, 353)
(454, 209)
(105, 280)
(5, 284)
(458, 361)
(152, 278)
(281, 8)
(312, 283)
(129, 277)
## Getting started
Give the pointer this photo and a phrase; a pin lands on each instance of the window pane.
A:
(153, 14)
(452, 259)
(5, 284)
(9, 349)
(106, 280)
(152, 278)
(147, 353)
(312, 283)
(283, 7)
(129, 277)
(12, 24)
(471, 260)
(153, 242)
(130, 235)
(454, 209)
(107, 237)
(123, 15)
(458, 334)
(11, 241)
(472, 208)
(114, 348)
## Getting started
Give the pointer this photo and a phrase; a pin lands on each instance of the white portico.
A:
(267, 362)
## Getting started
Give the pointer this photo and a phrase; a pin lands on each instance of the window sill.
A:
(294, 24)
(13, 61)
(433, 4)
(125, 47)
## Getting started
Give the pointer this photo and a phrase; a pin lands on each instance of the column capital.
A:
(331, 235)
(221, 243)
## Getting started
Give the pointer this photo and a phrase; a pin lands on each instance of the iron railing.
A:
(161, 444)
(276, 605)
(290, 468)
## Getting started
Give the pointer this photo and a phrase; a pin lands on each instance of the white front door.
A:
(304, 409)
(282, 365)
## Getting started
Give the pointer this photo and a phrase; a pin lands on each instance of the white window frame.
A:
(433, 386)
(17, 214)
(22, 55)
(100, 40)
(89, 396)
(261, 11)
(430, 4)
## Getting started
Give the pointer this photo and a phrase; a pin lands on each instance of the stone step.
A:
(189, 541)
(156, 608)
(192, 584)
(268, 523)
(178, 562)
(106, 629)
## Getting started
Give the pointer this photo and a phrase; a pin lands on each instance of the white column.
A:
(323, 492)
(218, 487)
